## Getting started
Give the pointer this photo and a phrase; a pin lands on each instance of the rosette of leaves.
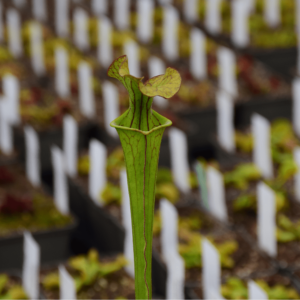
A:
(8, 290)
(140, 130)
(287, 231)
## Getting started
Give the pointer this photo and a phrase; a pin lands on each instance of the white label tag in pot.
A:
(225, 126)
(32, 156)
(122, 14)
(97, 174)
(227, 76)
(198, 61)
(81, 35)
(169, 228)
(111, 106)
(211, 270)
(297, 175)
(262, 145)
(99, 7)
(14, 33)
(157, 67)
(179, 159)
(61, 195)
(255, 292)
(170, 46)
(86, 92)
(105, 49)
(213, 16)
(190, 11)
(6, 132)
(70, 144)
(62, 18)
(39, 10)
(19, 3)
(266, 219)
(62, 81)
(240, 23)
(201, 176)
(272, 12)
(296, 105)
(216, 194)
(145, 20)
(37, 52)
(131, 49)
(31, 265)
(67, 288)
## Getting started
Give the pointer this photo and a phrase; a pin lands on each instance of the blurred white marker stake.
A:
(105, 49)
(97, 174)
(99, 7)
(179, 159)
(6, 132)
(256, 292)
(62, 83)
(266, 219)
(39, 10)
(131, 49)
(297, 175)
(14, 33)
(122, 14)
(81, 36)
(31, 266)
(262, 148)
(272, 12)
(67, 288)
(62, 18)
(213, 16)
(145, 20)
(190, 11)
(32, 156)
(296, 105)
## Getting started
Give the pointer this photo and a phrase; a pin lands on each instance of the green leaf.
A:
(3, 282)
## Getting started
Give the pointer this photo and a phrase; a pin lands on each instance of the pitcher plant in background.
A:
(140, 130)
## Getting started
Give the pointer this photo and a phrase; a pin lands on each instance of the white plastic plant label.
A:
(62, 18)
(62, 80)
(225, 126)
(211, 270)
(216, 194)
(255, 292)
(99, 7)
(81, 36)
(296, 105)
(14, 32)
(31, 266)
(179, 159)
(97, 173)
(70, 144)
(145, 11)
(86, 91)
(67, 288)
(272, 13)
(198, 60)
(19, 3)
(32, 156)
(122, 14)
(175, 276)
(262, 148)
(6, 132)
(201, 176)
(111, 106)
(240, 23)
(61, 195)
(297, 175)
(105, 49)
(169, 228)
(213, 16)
(157, 67)
(190, 11)
(36, 46)
(39, 10)
(227, 76)
(170, 46)
(266, 219)
(131, 49)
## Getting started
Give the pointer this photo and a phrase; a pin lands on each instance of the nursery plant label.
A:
(297, 175)
(81, 36)
(145, 20)
(296, 105)
(198, 61)
(86, 92)
(105, 49)
(97, 173)
(256, 292)
(37, 53)
(131, 49)
(61, 196)
(227, 76)
(262, 148)
(99, 7)
(201, 176)
(169, 228)
(6, 132)
(225, 126)
(211, 270)
(32, 156)
(62, 83)
(122, 14)
(213, 16)
(62, 18)
(266, 219)
(111, 106)
(216, 194)
(14, 32)
(190, 11)
(67, 288)
(39, 10)
(31, 265)
(272, 12)
(179, 159)
(70, 144)
(157, 67)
